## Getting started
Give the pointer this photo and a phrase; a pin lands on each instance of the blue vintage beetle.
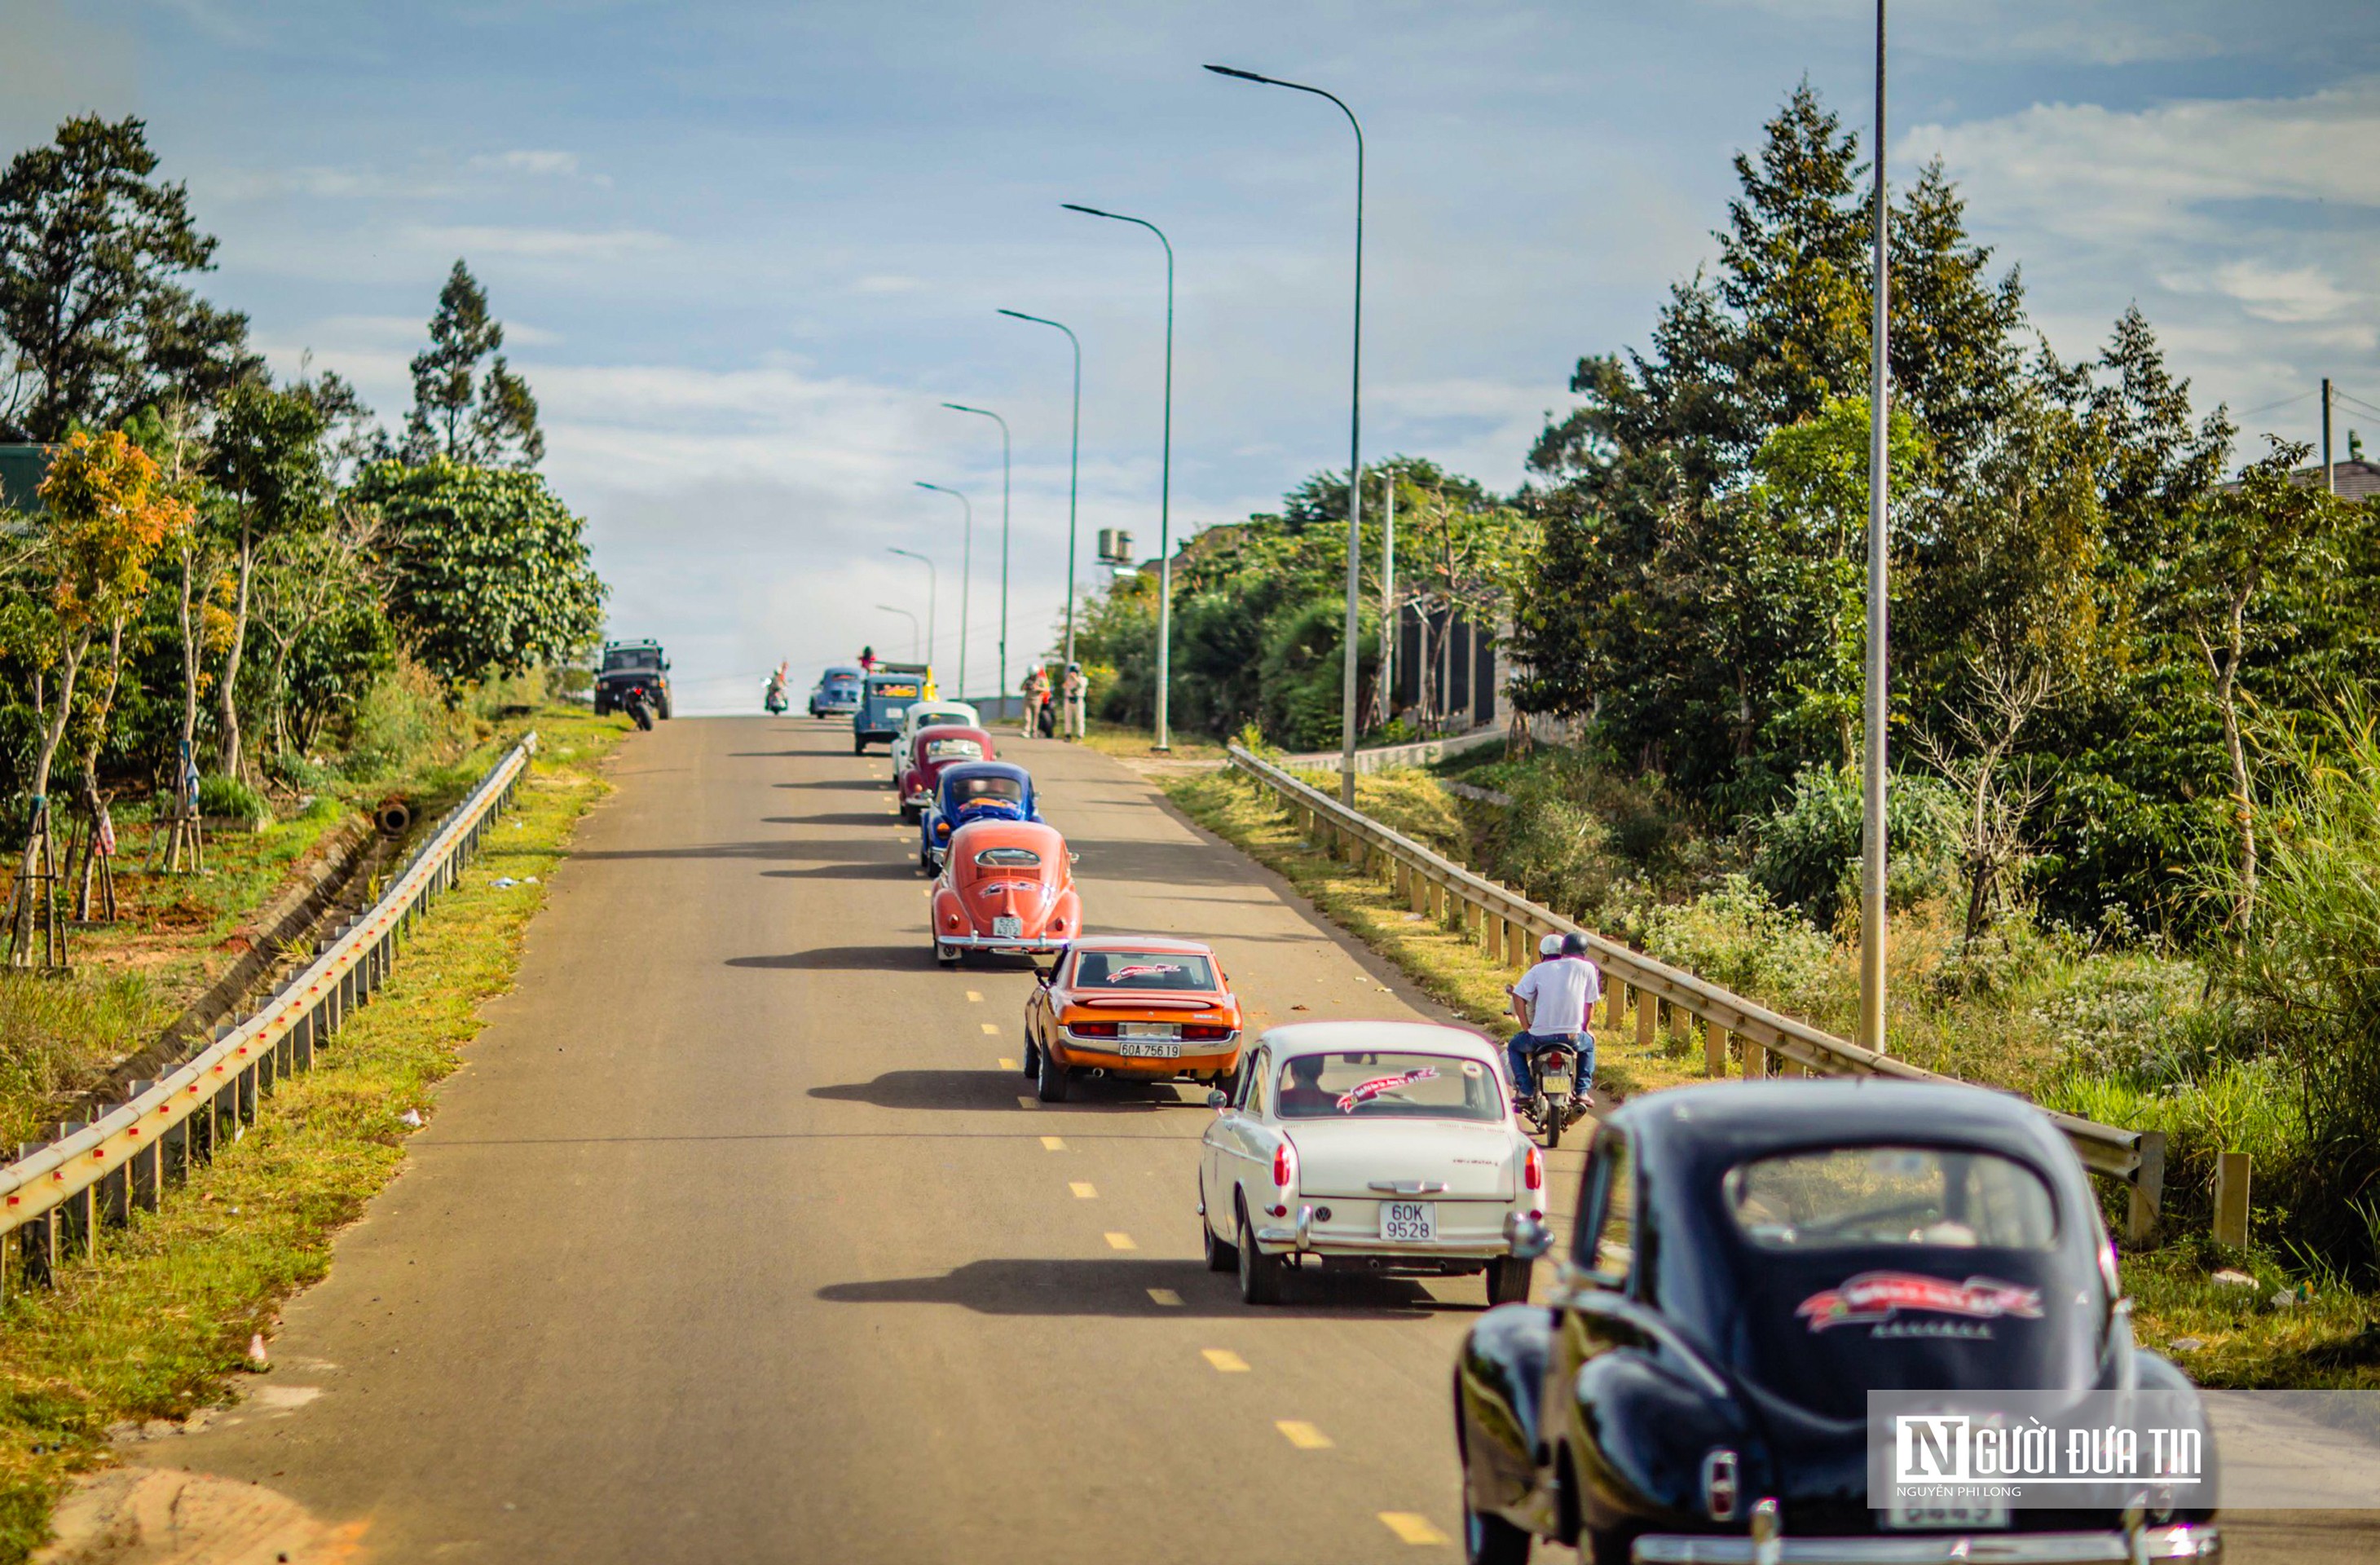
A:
(1750, 1260)
(977, 790)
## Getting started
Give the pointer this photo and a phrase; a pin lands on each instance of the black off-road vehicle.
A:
(632, 665)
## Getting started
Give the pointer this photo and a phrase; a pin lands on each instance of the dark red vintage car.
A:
(931, 749)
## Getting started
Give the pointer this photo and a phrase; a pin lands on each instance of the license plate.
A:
(1149, 1050)
(1936, 1516)
(1148, 1029)
(1408, 1220)
(1556, 1080)
(1007, 929)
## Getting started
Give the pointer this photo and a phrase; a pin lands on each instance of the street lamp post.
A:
(1164, 738)
(1354, 441)
(913, 625)
(1873, 911)
(1073, 467)
(932, 591)
(1002, 688)
(966, 571)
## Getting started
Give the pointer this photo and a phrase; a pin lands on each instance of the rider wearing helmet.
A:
(1553, 1001)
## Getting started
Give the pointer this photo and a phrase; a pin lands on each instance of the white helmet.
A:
(1549, 946)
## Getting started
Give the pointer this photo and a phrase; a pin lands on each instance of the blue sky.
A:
(744, 251)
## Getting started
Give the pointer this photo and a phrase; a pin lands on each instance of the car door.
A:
(1222, 1154)
(1600, 1265)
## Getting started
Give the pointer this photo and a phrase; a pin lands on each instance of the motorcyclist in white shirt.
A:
(1553, 1001)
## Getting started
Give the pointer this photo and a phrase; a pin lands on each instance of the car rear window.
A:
(892, 692)
(1841, 1198)
(1008, 859)
(953, 749)
(1143, 970)
(967, 788)
(1372, 1084)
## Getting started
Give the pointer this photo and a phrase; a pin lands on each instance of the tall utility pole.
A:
(1389, 597)
(933, 591)
(2329, 472)
(1872, 933)
(1354, 444)
(1074, 468)
(1163, 739)
(1002, 688)
(966, 571)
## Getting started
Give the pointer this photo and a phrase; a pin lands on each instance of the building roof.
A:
(2354, 479)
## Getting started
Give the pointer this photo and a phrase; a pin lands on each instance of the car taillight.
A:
(1284, 1166)
(1533, 1171)
(1092, 1029)
(1205, 1030)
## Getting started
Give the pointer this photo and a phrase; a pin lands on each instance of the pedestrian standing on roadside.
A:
(1037, 696)
(1076, 689)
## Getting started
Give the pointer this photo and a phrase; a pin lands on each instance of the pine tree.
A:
(461, 413)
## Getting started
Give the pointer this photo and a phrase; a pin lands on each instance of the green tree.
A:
(488, 571)
(92, 249)
(465, 414)
(267, 460)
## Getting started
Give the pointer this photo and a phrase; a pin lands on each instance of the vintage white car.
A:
(1374, 1146)
(925, 714)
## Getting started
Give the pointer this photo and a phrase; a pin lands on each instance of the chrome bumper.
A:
(1002, 943)
(1302, 1240)
(2200, 1542)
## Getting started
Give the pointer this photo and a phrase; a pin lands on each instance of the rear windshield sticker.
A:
(1875, 1296)
(1144, 970)
(1363, 1092)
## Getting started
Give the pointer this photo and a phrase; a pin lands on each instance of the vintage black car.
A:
(628, 666)
(1749, 1260)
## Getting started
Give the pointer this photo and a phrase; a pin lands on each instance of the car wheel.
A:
(1492, 1540)
(1050, 1081)
(1259, 1273)
(948, 955)
(1507, 1281)
(1032, 1058)
(1220, 1255)
(908, 814)
(860, 747)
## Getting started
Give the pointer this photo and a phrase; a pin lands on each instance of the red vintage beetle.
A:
(1006, 886)
(933, 749)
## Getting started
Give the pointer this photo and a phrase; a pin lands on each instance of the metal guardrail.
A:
(55, 1196)
(1509, 925)
(1421, 752)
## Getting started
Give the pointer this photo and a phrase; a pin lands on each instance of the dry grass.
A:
(158, 1325)
(1133, 744)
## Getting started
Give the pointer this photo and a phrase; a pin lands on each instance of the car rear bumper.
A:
(1206, 1059)
(1302, 1238)
(1007, 944)
(2198, 1542)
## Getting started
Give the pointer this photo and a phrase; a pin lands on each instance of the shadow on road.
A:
(1120, 1287)
(845, 958)
(848, 817)
(891, 869)
(931, 1089)
(874, 784)
(773, 848)
(1163, 864)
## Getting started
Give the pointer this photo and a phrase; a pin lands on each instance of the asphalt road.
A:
(740, 1237)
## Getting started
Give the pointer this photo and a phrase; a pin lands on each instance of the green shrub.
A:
(232, 799)
(1808, 849)
(394, 723)
(1735, 937)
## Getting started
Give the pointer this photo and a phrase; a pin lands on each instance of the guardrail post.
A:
(1649, 1016)
(2231, 1199)
(2148, 1189)
(1755, 1059)
(1714, 1048)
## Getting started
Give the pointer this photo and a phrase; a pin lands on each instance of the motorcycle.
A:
(774, 701)
(1560, 1099)
(636, 706)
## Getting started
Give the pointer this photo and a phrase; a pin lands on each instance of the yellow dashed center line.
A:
(974, 997)
(1026, 1103)
(1165, 1296)
(1084, 1191)
(1053, 1144)
(1008, 1064)
(1412, 1526)
(992, 1027)
(1121, 1241)
(1301, 1435)
(1224, 1360)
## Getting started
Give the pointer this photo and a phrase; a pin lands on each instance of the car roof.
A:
(1170, 944)
(1420, 1038)
(1732, 1121)
(841, 669)
(967, 768)
(1007, 830)
(975, 728)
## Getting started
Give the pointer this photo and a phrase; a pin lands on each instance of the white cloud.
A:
(549, 165)
(542, 244)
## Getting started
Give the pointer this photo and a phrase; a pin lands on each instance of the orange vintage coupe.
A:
(1006, 887)
(1140, 1006)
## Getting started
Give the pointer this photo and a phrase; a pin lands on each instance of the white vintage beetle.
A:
(1385, 1146)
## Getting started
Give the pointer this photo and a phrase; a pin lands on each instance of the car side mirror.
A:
(1217, 1100)
(1529, 1237)
(1044, 975)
